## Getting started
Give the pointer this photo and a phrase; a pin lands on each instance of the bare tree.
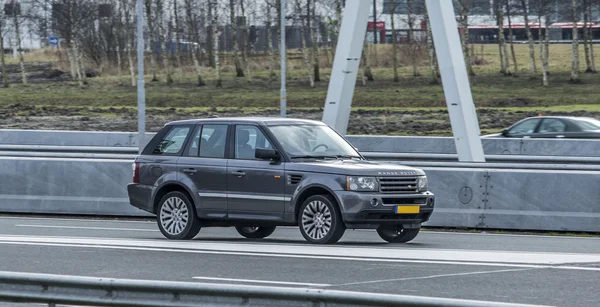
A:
(151, 37)
(367, 71)
(544, 40)
(214, 25)
(504, 63)
(127, 6)
(591, 35)
(587, 33)
(510, 35)
(525, 8)
(245, 45)
(411, 38)
(463, 8)
(575, 46)
(164, 35)
(270, 51)
(303, 44)
(177, 29)
(193, 32)
(239, 71)
(315, 43)
(15, 11)
(2, 33)
(394, 47)
(434, 78)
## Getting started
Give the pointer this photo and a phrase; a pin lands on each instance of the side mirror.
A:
(505, 132)
(266, 154)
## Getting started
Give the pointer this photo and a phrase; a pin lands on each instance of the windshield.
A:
(588, 123)
(308, 141)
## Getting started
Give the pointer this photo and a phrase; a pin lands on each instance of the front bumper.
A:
(359, 211)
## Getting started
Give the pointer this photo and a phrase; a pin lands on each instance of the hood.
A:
(355, 168)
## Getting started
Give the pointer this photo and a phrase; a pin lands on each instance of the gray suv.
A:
(255, 174)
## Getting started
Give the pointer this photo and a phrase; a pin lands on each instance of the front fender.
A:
(326, 182)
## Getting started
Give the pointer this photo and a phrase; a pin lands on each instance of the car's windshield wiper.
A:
(325, 157)
(314, 157)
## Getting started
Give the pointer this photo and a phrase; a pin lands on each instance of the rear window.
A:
(169, 141)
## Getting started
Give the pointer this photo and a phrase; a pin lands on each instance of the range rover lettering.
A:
(255, 174)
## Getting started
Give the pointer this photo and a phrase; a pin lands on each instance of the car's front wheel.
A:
(320, 220)
(255, 232)
(176, 217)
(397, 234)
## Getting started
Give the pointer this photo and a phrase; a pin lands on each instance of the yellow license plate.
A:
(408, 209)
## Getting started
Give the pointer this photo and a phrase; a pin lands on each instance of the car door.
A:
(203, 166)
(255, 187)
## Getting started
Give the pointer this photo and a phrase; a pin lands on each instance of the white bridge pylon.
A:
(457, 90)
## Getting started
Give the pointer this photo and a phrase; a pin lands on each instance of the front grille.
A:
(398, 185)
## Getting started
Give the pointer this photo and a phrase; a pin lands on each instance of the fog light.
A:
(374, 202)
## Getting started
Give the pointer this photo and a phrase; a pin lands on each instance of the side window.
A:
(173, 142)
(247, 139)
(194, 143)
(551, 125)
(525, 127)
(212, 141)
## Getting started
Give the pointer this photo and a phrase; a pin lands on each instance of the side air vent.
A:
(294, 179)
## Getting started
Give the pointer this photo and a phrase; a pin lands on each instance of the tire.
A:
(176, 205)
(314, 227)
(397, 234)
(255, 232)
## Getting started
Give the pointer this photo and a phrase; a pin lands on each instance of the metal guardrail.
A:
(92, 291)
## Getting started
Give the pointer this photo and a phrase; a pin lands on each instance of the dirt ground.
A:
(434, 122)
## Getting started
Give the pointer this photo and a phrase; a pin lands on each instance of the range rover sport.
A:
(255, 174)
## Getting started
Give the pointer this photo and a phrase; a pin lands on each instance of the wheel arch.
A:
(167, 188)
(312, 190)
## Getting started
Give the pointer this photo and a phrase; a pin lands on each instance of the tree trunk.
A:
(433, 79)
(194, 33)
(532, 65)
(504, 63)
(411, 39)
(338, 16)
(315, 48)
(464, 18)
(2, 58)
(367, 72)
(131, 61)
(19, 46)
(209, 35)
(512, 45)
(239, 71)
(575, 46)
(543, 55)
(245, 47)
(177, 35)
(164, 35)
(270, 49)
(214, 22)
(129, 38)
(303, 46)
(151, 38)
(394, 50)
(591, 36)
(78, 62)
(586, 37)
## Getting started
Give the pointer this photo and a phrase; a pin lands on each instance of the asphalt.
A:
(555, 271)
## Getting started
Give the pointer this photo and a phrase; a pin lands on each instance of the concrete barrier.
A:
(66, 186)
(365, 143)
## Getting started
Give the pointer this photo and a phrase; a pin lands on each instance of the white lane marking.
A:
(278, 256)
(483, 233)
(471, 257)
(433, 276)
(84, 220)
(262, 281)
(581, 268)
(84, 227)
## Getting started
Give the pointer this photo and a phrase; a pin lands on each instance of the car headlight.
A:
(361, 184)
(422, 184)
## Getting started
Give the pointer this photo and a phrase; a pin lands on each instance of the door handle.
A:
(190, 170)
(239, 173)
(560, 136)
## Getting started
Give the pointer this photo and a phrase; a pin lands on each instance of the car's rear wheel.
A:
(176, 217)
(397, 234)
(320, 220)
(255, 232)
